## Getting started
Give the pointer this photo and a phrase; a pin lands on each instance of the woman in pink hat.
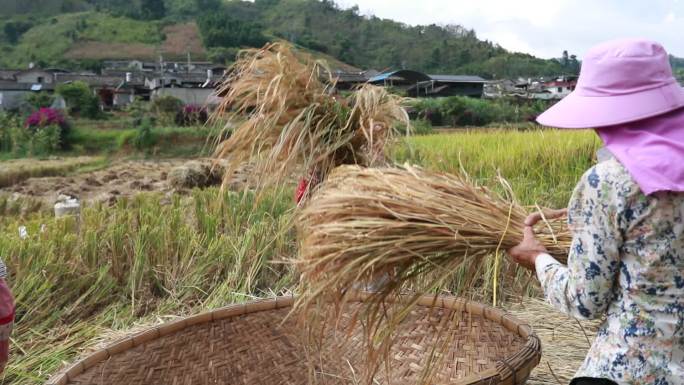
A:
(626, 214)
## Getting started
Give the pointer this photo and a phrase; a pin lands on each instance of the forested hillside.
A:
(78, 32)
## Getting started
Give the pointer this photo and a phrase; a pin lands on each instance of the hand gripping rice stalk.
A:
(288, 120)
(390, 230)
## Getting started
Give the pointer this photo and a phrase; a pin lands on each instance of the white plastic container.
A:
(67, 206)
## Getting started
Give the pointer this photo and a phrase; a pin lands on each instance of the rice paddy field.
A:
(542, 166)
(153, 257)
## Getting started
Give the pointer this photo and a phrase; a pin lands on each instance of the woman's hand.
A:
(526, 253)
(547, 214)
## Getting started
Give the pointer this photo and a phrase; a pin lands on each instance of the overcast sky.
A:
(544, 27)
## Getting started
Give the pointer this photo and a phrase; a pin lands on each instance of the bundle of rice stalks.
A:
(292, 121)
(390, 230)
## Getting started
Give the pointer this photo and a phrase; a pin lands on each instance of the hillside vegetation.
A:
(76, 32)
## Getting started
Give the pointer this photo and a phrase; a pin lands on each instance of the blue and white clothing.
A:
(626, 263)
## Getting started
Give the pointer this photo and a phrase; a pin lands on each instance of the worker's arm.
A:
(584, 288)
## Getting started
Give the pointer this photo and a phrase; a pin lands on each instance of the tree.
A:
(152, 9)
(80, 99)
(40, 100)
(221, 30)
(208, 5)
(367, 42)
(14, 29)
(435, 59)
(574, 64)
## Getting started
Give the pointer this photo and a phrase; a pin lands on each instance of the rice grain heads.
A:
(405, 221)
(392, 230)
(288, 119)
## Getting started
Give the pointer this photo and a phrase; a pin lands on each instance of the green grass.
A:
(168, 141)
(542, 166)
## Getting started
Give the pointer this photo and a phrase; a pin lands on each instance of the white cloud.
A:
(670, 18)
(543, 28)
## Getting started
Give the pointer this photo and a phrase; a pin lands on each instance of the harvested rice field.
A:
(15, 171)
(39, 184)
(151, 256)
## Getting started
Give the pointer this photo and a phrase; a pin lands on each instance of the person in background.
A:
(306, 186)
(6, 317)
(626, 262)
(345, 156)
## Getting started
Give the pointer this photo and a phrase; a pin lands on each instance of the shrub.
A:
(465, 111)
(421, 127)
(144, 139)
(40, 100)
(192, 115)
(80, 100)
(7, 124)
(166, 107)
(429, 110)
(223, 55)
(41, 141)
(46, 117)
(138, 110)
(44, 131)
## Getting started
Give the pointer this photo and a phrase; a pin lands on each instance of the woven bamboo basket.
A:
(250, 344)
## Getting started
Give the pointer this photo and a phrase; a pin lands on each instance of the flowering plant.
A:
(46, 117)
(45, 130)
(191, 115)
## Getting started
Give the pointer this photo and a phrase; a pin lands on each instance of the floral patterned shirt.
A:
(626, 263)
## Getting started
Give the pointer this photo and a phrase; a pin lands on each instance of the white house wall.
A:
(12, 100)
(199, 96)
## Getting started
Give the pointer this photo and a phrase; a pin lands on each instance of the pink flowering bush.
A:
(46, 117)
(192, 115)
(45, 130)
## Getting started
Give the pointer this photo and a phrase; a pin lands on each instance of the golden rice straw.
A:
(288, 120)
(389, 229)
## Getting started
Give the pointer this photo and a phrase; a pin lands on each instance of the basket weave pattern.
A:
(249, 344)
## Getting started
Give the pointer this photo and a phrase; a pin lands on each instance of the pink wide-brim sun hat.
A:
(621, 81)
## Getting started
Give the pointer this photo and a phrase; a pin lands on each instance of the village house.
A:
(13, 94)
(541, 88)
(190, 87)
(16, 85)
(114, 91)
(500, 88)
(119, 83)
(561, 86)
(347, 80)
(418, 84)
(451, 85)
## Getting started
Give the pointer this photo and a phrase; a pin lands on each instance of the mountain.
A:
(81, 32)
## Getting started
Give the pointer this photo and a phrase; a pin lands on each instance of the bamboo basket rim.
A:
(512, 370)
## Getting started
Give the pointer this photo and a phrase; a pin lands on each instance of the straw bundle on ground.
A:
(292, 121)
(392, 229)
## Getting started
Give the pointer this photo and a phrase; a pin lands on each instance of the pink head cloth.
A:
(652, 150)
(626, 91)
